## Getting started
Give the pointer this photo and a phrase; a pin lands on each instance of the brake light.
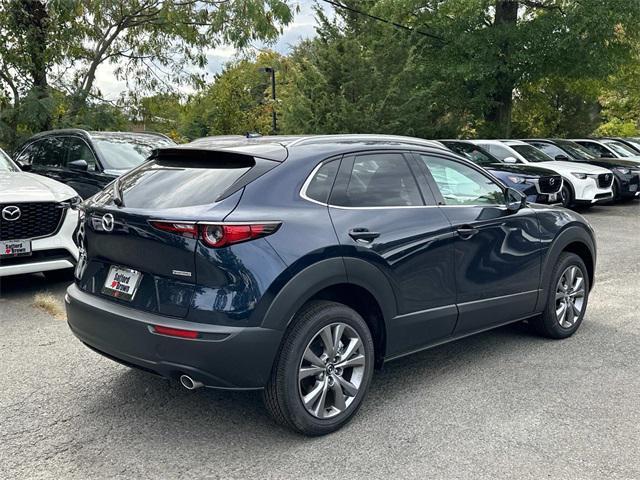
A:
(221, 235)
(184, 229)
(175, 332)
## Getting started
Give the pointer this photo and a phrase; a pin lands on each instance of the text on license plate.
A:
(122, 283)
(15, 248)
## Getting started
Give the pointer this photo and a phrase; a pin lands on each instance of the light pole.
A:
(274, 122)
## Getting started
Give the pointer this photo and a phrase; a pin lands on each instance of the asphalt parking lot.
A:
(501, 404)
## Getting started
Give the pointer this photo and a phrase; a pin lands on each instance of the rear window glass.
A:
(164, 183)
(125, 152)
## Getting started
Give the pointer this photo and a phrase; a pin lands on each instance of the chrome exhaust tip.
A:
(189, 383)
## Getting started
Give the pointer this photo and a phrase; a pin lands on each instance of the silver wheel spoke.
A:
(310, 398)
(577, 293)
(313, 359)
(327, 340)
(570, 276)
(569, 316)
(354, 345)
(576, 310)
(577, 284)
(561, 312)
(319, 410)
(559, 295)
(348, 387)
(310, 371)
(352, 362)
(338, 330)
(339, 397)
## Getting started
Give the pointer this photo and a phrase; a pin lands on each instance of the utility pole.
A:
(274, 120)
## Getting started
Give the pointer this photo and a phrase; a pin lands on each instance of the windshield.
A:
(621, 149)
(476, 154)
(125, 152)
(575, 150)
(531, 154)
(6, 164)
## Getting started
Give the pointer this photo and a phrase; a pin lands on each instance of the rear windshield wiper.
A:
(117, 194)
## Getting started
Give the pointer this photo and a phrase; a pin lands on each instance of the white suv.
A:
(583, 183)
(37, 219)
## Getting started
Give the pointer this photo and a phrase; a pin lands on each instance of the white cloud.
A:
(302, 27)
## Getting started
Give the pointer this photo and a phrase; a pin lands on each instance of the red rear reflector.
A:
(175, 332)
(184, 229)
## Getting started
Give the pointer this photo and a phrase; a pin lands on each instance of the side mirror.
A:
(514, 200)
(510, 160)
(562, 158)
(25, 167)
(79, 165)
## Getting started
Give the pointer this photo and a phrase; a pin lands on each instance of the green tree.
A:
(155, 44)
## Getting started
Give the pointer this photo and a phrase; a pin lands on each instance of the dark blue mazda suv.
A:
(299, 265)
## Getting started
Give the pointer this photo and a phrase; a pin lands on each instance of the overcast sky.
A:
(302, 27)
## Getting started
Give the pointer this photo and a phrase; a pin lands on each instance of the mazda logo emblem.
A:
(552, 181)
(107, 222)
(11, 213)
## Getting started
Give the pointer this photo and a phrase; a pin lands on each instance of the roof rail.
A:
(314, 139)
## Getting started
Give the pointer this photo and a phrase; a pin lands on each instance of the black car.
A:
(631, 143)
(298, 265)
(626, 172)
(87, 161)
(537, 184)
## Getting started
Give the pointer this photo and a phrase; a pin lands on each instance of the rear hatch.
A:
(127, 253)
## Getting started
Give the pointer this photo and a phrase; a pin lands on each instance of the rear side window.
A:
(48, 152)
(376, 180)
(596, 149)
(320, 185)
(175, 183)
(549, 149)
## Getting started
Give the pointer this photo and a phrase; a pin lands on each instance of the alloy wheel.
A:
(570, 296)
(331, 370)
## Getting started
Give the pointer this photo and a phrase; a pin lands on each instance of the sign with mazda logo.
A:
(107, 222)
(11, 213)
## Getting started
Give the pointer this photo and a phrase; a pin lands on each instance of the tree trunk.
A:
(499, 113)
(35, 19)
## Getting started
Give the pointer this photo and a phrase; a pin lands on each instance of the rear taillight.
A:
(221, 235)
(184, 229)
(217, 235)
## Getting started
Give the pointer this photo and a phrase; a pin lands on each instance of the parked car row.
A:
(298, 265)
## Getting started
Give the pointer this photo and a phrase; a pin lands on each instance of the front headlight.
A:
(622, 170)
(74, 202)
(514, 179)
(581, 176)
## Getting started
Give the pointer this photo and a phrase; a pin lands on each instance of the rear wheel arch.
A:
(366, 290)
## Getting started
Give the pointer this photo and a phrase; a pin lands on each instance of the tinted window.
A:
(498, 150)
(621, 149)
(175, 183)
(549, 149)
(126, 151)
(320, 185)
(596, 149)
(6, 165)
(460, 184)
(378, 180)
(48, 152)
(531, 154)
(77, 149)
(577, 151)
(476, 154)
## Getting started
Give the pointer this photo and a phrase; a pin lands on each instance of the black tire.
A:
(566, 196)
(282, 395)
(64, 275)
(548, 323)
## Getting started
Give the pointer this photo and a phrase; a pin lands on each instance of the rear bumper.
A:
(236, 358)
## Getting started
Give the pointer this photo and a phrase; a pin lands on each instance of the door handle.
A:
(363, 234)
(465, 232)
